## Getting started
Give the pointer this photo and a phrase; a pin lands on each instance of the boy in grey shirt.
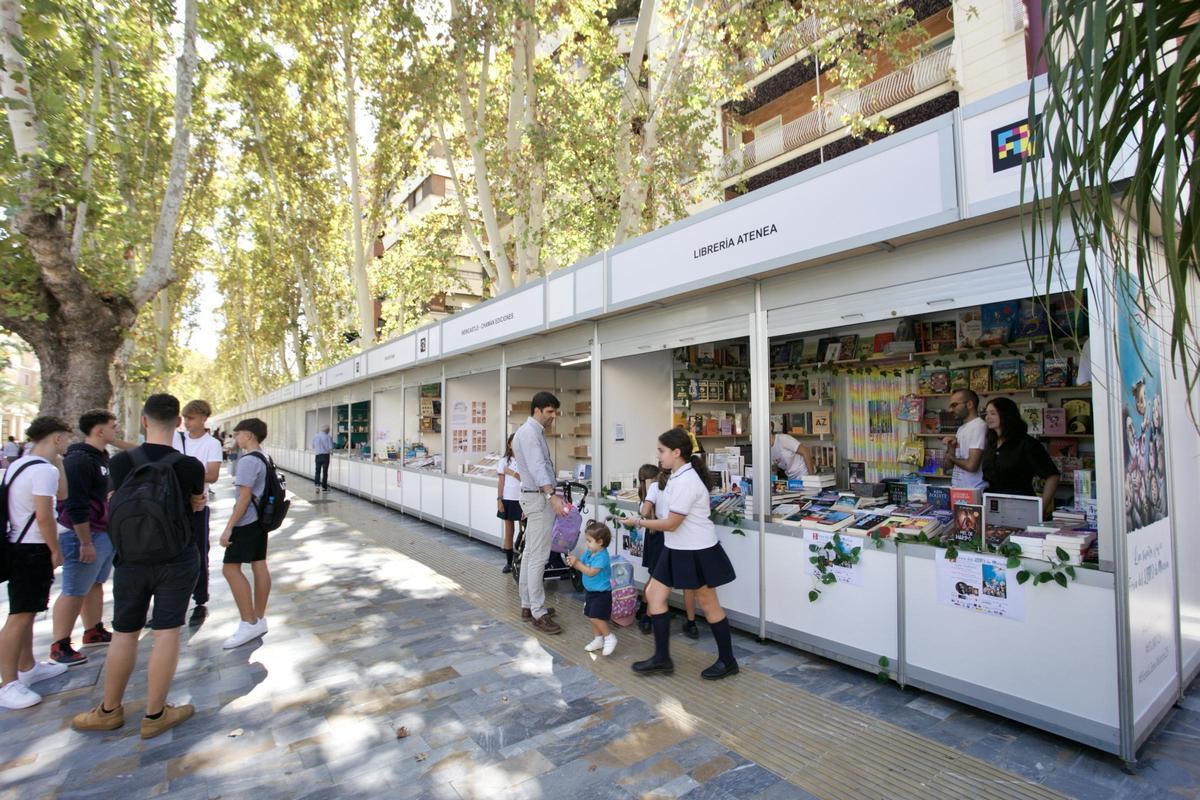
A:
(244, 539)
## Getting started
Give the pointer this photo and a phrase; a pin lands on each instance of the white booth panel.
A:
(560, 297)
(741, 596)
(870, 606)
(356, 482)
(379, 477)
(411, 490)
(484, 523)
(394, 486)
(337, 472)
(1059, 657)
(589, 287)
(431, 495)
(456, 499)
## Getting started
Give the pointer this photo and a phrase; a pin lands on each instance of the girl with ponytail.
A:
(693, 558)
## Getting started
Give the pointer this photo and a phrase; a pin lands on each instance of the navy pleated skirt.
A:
(692, 569)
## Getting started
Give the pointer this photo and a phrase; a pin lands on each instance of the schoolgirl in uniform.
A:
(652, 484)
(508, 497)
(692, 557)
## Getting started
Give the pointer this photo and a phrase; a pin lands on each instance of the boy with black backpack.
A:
(260, 507)
(155, 489)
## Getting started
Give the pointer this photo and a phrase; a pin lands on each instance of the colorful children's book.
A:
(1057, 372)
(1032, 321)
(912, 408)
(969, 328)
(1079, 415)
(929, 421)
(959, 379)
(997, 323)
(1054, 422)
(1033, 414)
(848, 347)
(933, 380)
(1031, 372)
(1006, 374)
(981, 378)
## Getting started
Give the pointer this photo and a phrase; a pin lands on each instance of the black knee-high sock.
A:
(720, 632)
(508, 556)
(662, 636)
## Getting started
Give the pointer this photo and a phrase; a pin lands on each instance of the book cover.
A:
(781, 355)
(1079, 415)
(881, 341)
(1031, 321)
(1006, 374)
(1068, 317)
(821, 422)
(943, 335)
(706, 355)
(968, 522)
(969, 328)
(681, 390)
(959, 379)
(1062, 448)
(1033, 413)
(879, 416)
(963, 494)
(857, 471)
(912, 408)
(1057, 372)
(918, 492)
(930, 421)
(863, 525)
(1031, 372)
(997, 323)
(848, 347)
(981, 378)
(1054, 422)
(897, 492)
(938, 497)
(828, 349)
(933, 380)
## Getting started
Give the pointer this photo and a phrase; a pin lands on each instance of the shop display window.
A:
(353, 430)
(422, 448)
(474, 424)
(861, 420)
(570, 439)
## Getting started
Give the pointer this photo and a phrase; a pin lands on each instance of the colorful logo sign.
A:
(1012, 144)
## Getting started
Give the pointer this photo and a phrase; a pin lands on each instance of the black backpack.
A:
(5, 545)
(273, 506)
(149, 519)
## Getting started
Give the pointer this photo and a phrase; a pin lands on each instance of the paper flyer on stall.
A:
(980, 583)
(852, 575)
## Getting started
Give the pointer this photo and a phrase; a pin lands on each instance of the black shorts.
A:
(246, 543)
(511, 512)
(692, 569)
(30, 577)
(652, 547)
(170, 585)
(597, 605)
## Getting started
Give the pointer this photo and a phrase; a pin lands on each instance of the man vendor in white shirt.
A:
(789, 455)
(965, 449)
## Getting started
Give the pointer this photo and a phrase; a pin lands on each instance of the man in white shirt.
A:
(322, 445)
(789, 455)
(196, 442)
(965, 449)
(34, 482)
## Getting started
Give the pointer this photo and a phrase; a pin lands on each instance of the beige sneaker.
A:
(172, 716)
(98, 720)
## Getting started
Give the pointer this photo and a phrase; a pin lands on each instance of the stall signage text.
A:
(730, 242)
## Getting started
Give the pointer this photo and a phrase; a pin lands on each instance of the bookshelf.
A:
(711, 391)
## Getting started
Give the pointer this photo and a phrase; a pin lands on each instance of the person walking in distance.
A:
(693, 558)
(196, 442)
(12, 450)
(322, 445)
(508, 500)
(155, 489)
(539, 504)
(244, 539)
(32, 483)
(83, 536)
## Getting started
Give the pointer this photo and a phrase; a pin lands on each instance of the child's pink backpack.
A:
(624, 593)
(565, 535)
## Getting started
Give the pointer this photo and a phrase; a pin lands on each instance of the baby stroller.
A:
(556, 568)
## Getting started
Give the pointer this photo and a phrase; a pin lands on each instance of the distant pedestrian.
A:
(83, 536)
(12, 450)
(194, 441)
(32, 482)
(245, 540)
(155, 491)
(595, 566)
(322, 445)
(508, 500)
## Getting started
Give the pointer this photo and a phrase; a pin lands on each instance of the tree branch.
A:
(28, 137)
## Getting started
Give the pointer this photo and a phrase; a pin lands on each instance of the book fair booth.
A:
(843, 334)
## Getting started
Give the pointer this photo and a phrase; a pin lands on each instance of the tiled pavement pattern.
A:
(365, 640)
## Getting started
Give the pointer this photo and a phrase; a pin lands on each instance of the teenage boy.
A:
(244, 539)
(83, 538)
(168, 583)
(196, 442)
(322, 445)
(539, 504)
(33, 482)
(966, 447)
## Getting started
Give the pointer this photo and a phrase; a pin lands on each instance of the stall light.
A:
(573, 361)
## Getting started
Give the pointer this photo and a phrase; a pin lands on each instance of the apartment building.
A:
(20, 387)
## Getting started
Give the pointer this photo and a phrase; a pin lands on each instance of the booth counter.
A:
(666, 331)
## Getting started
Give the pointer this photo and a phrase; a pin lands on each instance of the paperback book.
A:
(1006, 374)
(996, 323)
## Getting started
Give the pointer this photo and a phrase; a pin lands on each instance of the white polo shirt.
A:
(687, 495)
(658, 498)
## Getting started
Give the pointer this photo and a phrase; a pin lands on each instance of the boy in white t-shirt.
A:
(34, 481)
(965, 448)
(198, 443)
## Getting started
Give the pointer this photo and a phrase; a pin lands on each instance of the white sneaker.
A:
(18, 695)
(245, 632)
(43, 670)
(610, 644)
(594, 644)
(262, 626)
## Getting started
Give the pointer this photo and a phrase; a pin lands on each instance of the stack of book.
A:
(819, 481)
(826, 520)
(914, 526)
(1074, 542)
(1032, 542)
(1068, 515)
(865, 523)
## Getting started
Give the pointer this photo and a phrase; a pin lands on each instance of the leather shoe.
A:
(719, 670)
(650, 665)
(546, 625)
(199, 614)
(527, 614)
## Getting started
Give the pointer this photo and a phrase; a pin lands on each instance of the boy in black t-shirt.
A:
(169, 584)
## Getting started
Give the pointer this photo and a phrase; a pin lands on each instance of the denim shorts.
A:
(77, 577)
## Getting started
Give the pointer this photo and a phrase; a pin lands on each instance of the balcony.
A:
(892, 89)
(788, 44)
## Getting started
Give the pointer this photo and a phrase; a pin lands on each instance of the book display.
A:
(353, 426)
(711, 391)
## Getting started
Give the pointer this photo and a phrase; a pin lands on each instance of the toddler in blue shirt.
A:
(597, 583)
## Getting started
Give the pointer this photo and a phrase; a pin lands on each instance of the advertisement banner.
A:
(851, 575)
(981, 583)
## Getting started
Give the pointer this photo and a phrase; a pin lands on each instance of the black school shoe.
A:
(199, 614)
(719, 670)
(690, 630)
(650, 665)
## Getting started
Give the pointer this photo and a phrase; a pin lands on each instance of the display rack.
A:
(711, 391)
